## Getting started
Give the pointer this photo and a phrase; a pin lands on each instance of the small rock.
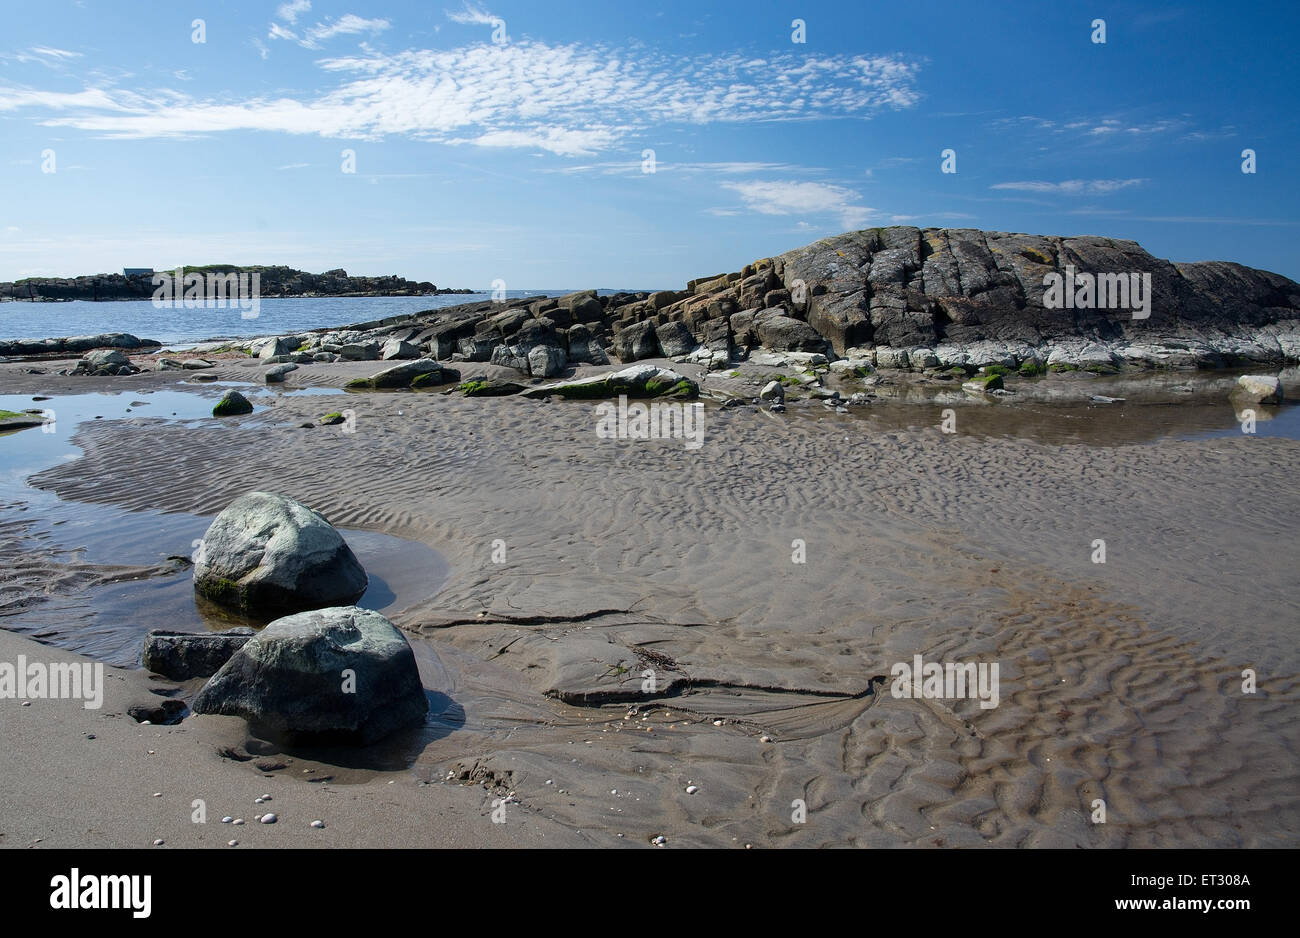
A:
(158, 842)
(692, 789)
(268, 819)
(317, 823)
(227, 819)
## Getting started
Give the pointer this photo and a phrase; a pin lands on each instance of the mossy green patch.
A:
(1031, 369)
(1000, 370)
(10, 415)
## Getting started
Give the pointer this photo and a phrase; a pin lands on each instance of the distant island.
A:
(275, 282)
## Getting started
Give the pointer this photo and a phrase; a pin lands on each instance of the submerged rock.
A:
(267, 554)
(344, 674)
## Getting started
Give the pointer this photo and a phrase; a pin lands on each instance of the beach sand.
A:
(1120, 681)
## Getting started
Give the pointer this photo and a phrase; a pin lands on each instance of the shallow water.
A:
(109, 622)
(1057, 411)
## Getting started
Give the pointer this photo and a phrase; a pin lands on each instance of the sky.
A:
(632, 145)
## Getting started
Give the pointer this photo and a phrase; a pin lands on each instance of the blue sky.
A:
(523, 160)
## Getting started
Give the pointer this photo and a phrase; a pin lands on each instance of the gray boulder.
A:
(341, 674)
(184, 655)
(396, 348)
(267, 554)
(103, 362)
(636, 341)
(546, 361)
(275, 347)
(422, 372)
(786, 334)
(674, 339)
(275, 374)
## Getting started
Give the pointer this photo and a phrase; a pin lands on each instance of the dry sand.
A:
(1119, 682)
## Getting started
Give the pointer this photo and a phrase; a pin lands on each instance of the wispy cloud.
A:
(571, 100)
(43, 55)
(311, 38)
(632, 167)
(289, 11)
(1072, 186)
(473, 15)
(769, 197)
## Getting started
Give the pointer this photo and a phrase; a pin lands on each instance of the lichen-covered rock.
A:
(232, 404)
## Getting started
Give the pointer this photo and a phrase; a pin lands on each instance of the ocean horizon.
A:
(172, 326)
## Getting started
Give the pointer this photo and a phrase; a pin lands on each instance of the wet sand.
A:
(1119, 681)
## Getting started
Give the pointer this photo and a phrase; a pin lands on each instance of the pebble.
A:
(232, 843)
(765, 739)
(157, 794)
(238, 820)
(692, 789)
(257, 801)
(266, 797)
(317, 823)
(717, 722)
(158, 843)
(227, 819)
(27, 703)
(659, 841)
(268, 819)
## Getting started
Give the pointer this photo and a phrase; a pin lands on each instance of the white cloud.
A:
(1072, 186)
(473, 14)
(632, 167)
(289, 11)
(802, 198)
(568, 99)
(348, 24)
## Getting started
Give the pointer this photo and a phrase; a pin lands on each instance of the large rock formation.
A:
(266, 554)
(899, 297)
(342, 674)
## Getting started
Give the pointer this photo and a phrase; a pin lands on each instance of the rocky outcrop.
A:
(266, 554)
(906, 298)
(74, 345)
(330, 675)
